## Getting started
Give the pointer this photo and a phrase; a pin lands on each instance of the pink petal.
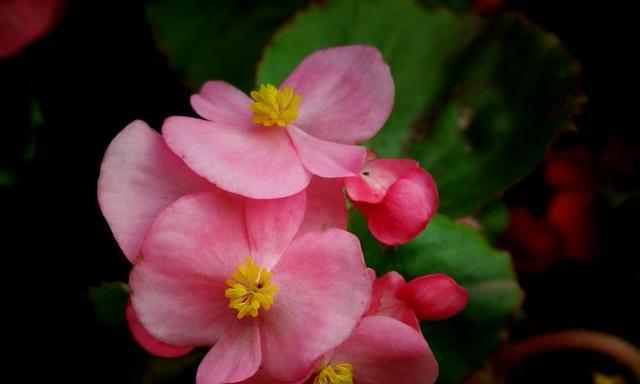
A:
(147, 342)
(434, 297)
(410, 204)
(140, 177)
(272, 224)
(325, 158)
(262, 378)
(235, 357)
(386, 351)
(385, 303)
(191, 249)
(325, 206)
(260, 162)
(347, 93)
(223, 103)
(376, 177)
(324, 289)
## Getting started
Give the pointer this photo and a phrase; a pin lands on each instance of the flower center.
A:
(336, 374)
(250, 289)
(275, 106)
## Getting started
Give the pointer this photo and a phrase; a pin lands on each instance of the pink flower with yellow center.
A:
(387, 345)
(221, 270)
(270, 145)
(140, 177)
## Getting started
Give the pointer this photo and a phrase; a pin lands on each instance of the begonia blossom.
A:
(270, 145)
(221, 270)
(397, 196)
(386, 347)
(140, 177)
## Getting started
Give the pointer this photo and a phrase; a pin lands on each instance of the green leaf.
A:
(477, 100)
(462, 343)
(220, 40)
(109, 302)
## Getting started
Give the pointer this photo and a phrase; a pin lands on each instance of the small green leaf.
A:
(477, 100)
(462, 343)
(109, 302)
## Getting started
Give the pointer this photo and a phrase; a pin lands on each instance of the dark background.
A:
(99, 69)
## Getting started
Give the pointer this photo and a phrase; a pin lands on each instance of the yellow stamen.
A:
(250, 289)
(336, 374)
(275, 106)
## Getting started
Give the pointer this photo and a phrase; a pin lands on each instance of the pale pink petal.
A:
(262, 378)
(272, 224)
(384, 300)
(325, 158)
(324, 289)
(347, 93)
(326, 206)
(372, 275)
(177, 286)
(376, 177)
(148, 342)
(235, 357)
(140, 177)
(223, 103)
(410, 204)
(260, 163)
(434, 297)
(386, 351)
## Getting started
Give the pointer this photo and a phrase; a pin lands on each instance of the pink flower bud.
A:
(434, 297)
(397, 196)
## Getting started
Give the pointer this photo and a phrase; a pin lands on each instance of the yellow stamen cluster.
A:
(275, 106)
(250, 289)
(336, 374)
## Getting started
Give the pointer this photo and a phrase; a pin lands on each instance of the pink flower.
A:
(397, 196)
(218, 269)
(24, 21)
(270, 147)
(140, 177)
(387, 346)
